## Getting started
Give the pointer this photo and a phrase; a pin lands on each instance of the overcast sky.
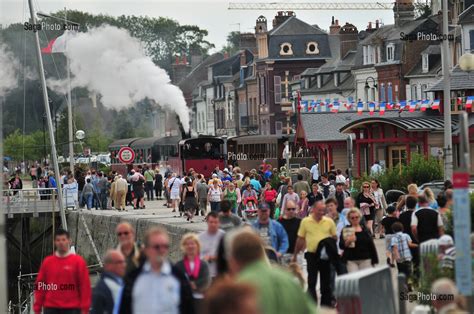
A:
(212, 15)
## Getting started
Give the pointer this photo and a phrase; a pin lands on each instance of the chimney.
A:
(243, 58)
(179, 70)
(226, 55)
(377, 25)
(196, 57)
(404, 12)
(349, 38)
(176, 59)
(261, 37)
(335, 27)
(248, 41)
(371, 29)
(281, 17)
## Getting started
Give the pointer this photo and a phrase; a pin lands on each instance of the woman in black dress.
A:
(158, 183)
(189, 197)
(367, 204)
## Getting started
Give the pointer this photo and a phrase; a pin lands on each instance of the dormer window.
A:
(312, 48)
(425, 66)
(286, 50)
(390, 52)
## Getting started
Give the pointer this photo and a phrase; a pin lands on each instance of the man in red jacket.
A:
(63, 284)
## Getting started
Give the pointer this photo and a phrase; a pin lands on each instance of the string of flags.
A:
(380, 107)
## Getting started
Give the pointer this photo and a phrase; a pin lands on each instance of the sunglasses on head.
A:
(123, 233)
(158, 247)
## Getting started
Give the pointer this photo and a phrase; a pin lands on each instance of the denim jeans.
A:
(88, 200)
(215, 206)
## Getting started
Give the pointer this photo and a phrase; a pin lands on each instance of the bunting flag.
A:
(402, 105)
(360, 107)
(424, 104)
(371, 108)
(382, 108)
(335, 107)
(469, 101)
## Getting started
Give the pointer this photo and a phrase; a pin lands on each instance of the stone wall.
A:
(102, 229)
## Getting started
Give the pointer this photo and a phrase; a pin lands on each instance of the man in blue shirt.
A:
(157, 286)
(255, 184)
(108, 289)
(271, 231)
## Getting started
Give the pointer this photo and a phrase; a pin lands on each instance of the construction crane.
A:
(310, 6)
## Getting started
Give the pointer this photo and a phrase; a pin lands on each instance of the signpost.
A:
(462, 214)
(126, 155)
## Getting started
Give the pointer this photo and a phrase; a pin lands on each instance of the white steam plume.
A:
(108, 61)
(9, 67)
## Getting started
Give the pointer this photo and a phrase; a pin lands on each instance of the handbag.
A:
(277, 213)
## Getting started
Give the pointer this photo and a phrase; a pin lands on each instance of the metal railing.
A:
(32, 201)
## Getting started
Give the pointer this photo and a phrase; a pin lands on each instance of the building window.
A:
(366, 55)
(424, 93)
(390, 52)
(371, 52)
(425, 63)
(312, 48)
(414, 92)
(262, 89)
(286, 49)
(379, 55)
(389, 93)
(277, 89)
(471, 40)
(382, 92)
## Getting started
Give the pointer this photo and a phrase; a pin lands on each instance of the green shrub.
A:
(421, 170)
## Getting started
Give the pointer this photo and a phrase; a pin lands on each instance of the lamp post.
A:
(367, 87)
(446, 57)
(224, 137)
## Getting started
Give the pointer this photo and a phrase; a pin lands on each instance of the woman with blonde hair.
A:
(357, 244)
(430, 197)
(196, 269)
(367, 203)
(412, 189)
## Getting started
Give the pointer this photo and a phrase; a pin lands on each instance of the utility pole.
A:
(3, 242)
(54, 154)
(448, 140)
(69, 106)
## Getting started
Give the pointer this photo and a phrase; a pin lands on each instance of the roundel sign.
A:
(126, 155)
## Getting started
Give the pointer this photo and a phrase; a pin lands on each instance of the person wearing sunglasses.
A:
(127, 245)
(367, 203)
(357, 244)
(291, 223)
(157, 286)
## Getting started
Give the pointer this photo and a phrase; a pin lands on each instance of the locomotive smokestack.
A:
(184, 134)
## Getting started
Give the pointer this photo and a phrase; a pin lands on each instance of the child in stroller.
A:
(250, 208)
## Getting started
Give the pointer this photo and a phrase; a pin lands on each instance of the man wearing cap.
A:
(272, 232)
(226, 176)
(215, 177)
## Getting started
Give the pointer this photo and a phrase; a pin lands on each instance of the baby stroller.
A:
(250, 209)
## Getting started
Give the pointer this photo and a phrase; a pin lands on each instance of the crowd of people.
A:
(260, 226)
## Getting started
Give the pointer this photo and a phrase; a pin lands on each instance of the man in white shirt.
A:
(315, 172)
(376, 168)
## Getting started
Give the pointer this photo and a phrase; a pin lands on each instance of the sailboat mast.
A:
(69, 105)
(48, 119)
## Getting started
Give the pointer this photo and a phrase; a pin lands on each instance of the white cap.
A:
(226, 170)
(445, 240)
(214, 175)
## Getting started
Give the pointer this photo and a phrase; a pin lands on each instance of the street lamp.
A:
(466, 62)
(224, 137)
(367, 87)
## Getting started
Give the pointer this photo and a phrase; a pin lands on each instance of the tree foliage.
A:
(28, 147)
(163, 38)
(233, 43)
(422, 9)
